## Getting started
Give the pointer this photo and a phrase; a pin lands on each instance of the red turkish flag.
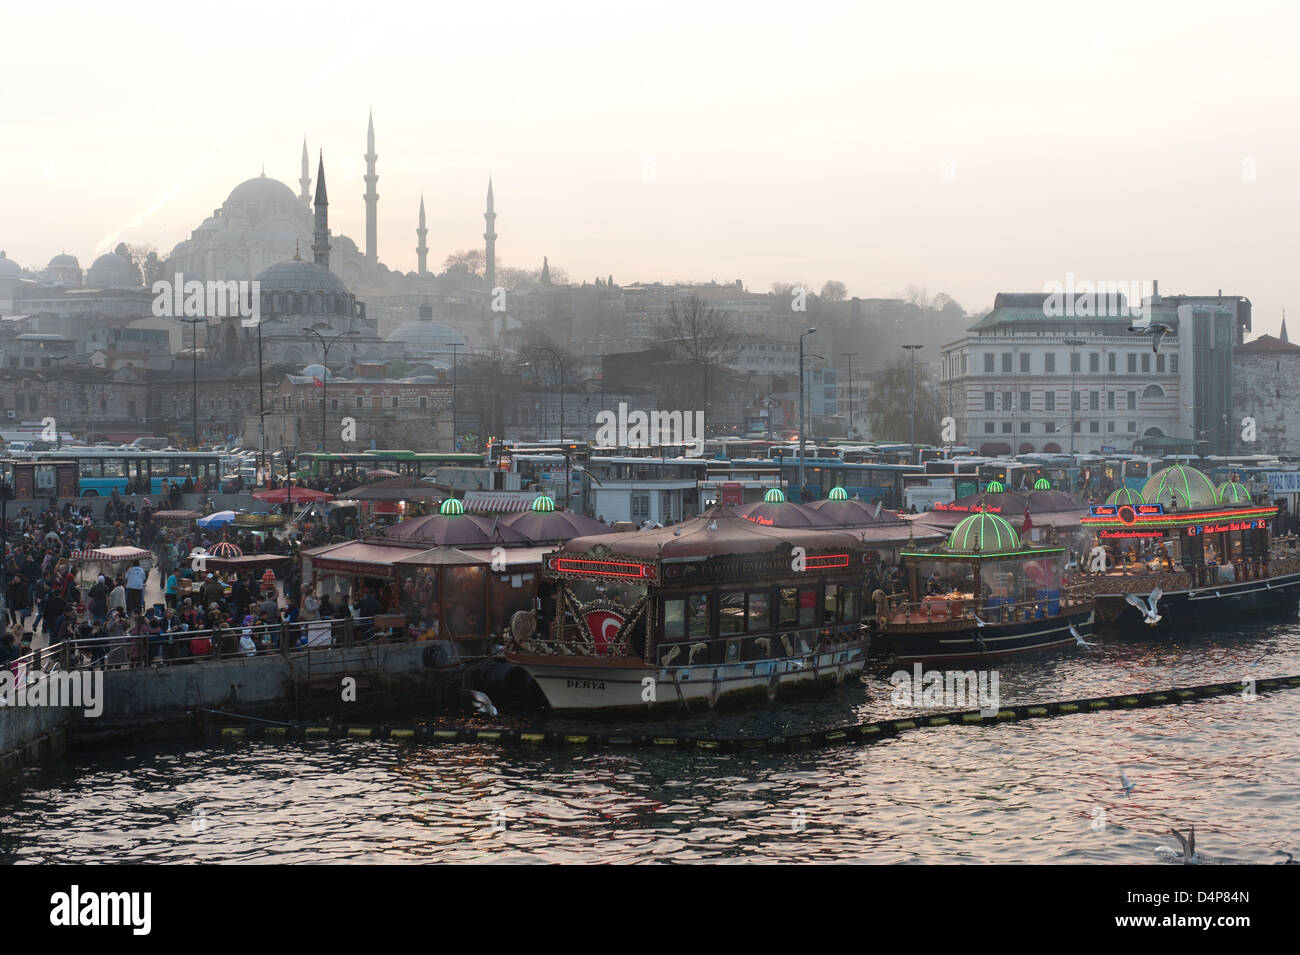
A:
(604, 626)
(318, 383)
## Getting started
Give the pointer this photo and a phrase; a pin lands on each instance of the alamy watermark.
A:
(957, 689)
(211, 299)
(639, 429)
(1075, 299)
(83, 688)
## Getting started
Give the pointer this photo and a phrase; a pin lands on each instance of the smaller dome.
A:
(65, 261)
(994, 487)
(983, 533)
(1232, 492)
(543, 504)
(1180, 486)
(1125, 495)
(451, 507)
(774, 496)
(1042, 484)
(8, 266)
(318, 371)
(837, 494)
(298, 276)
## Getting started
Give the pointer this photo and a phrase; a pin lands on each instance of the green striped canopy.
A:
(983, 533)
(1232, 492)
(1125, 495)
(543, 504)
(774, 496)
(838, 494)
(1180, 486)
(1042, 484)
(451, 506)
(994, 487)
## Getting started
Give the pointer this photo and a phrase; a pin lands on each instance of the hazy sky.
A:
(968, 148)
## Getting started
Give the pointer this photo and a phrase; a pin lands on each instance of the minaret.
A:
(1283, 335)
(422, 250)
(546, 272)
(491, 237)
(320, 247)
(305, 181)
(372, 197)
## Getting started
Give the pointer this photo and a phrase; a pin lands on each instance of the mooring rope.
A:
(854, 733)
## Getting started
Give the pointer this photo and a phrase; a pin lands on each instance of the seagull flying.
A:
(482, 703)
(1127, 784)
(1078, 637)
(978, 621)
(1157, 330)
(1147, 607)
(1189, 846)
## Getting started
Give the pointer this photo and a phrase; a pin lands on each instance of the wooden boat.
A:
(1207, 553)
(716, 609)
(990, 595)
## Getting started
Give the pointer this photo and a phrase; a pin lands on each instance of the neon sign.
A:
(603, 568)
(1125, 535)
(826, 561)
(968, 508)
(1225, 528)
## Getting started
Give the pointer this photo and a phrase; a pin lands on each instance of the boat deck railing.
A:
(1142, 578)
(900, 611)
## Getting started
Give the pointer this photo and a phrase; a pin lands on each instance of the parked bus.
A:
(313, 465)
(97, 472)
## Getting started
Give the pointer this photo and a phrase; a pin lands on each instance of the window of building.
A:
(1133, 426)
(1110, 362)
(1078, 427)
(1094, 427)
(424, 402)
(1110, 401)
(1024, 427)
(640, 507)
(1049, 363)
(393, 401)
(988, 363)
(1024, 401)
(334, 404)
(1160, 363)
(1146, 364)
(1049, 400)
(1153, 391)
(963, 363)
(1006, 363)
(1006, 427)
(989, 427)
(1094, 401)
(1076, 403)
(1132, 364)
(1006, 401)
(1024, 363)
(1110, 427)
(988, 400)
(1173, 364)
(1075, 364)
(1094, 362)
(1132, 402)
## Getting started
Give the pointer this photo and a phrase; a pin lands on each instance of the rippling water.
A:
(1041, 791)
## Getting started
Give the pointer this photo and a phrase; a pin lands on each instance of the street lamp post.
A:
(6, 495)
(193, 322)
(1074, 343)
(911, 386)
(454, 346)
(325, 374)
(58, 402)
(559, 367)
(802, 429)
(261, 407)
(850, 355)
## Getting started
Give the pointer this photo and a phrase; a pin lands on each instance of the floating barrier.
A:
(835, 736)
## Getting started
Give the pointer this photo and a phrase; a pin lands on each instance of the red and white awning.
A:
(113, 554)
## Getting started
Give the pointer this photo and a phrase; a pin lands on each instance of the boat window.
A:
(841, 603)
(675, 619)
(697, 615)
(789, 607)
(686, 617)
(760, 610)
(807, 607)
(731, 612)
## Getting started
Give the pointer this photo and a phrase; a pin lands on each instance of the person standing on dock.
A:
(135, 579)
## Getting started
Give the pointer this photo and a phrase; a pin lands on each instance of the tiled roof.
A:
(1266, 344)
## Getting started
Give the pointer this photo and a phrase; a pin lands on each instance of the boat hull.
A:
(1188, 609)
(919, 644)
(586, 685)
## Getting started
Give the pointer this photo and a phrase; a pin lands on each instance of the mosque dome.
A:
(8, 266)
(318, 371)
(64, 261)
(425, 334)
(261, 197)
(1181, 486)
(299, 276)
(111, 270)
(1125, 495)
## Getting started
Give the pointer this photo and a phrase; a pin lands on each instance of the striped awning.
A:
(499, 502)
(113, 554)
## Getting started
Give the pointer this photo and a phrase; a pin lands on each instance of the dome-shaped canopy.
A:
(451, 507)
(983, 533)
(994, 487)
(1042, 484)
(8, 266)
(298, 276)
(457, 530)
(318, 371)
(1124, 495)
(426, 334)
(837, 494)
(774, 496)
(1232, 492)
(111, 270)
(543, 504)
(64, 260)
(1180, 486)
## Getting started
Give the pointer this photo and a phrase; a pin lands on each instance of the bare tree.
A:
(466, 260)
(916, 295)
(834, 291)
(698, 334)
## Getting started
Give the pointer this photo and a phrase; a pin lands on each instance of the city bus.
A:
(100, 471)
(869, 482)
(314, 465)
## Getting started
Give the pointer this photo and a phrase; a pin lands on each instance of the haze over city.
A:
(957, 149)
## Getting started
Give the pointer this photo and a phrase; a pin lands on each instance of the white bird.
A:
(1127, 784)
(482, 703)
(1147, 607)
(1189, 856)
(696, 648)
(785, 642)
(876, 512)
(670, 656)
(1078, 637)
(978, 621)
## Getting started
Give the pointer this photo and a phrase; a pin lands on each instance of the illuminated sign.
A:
(603, 568)
(968, 508)
(1117, 510)
(826, 561)
(1126, 535)
(1224, 528)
